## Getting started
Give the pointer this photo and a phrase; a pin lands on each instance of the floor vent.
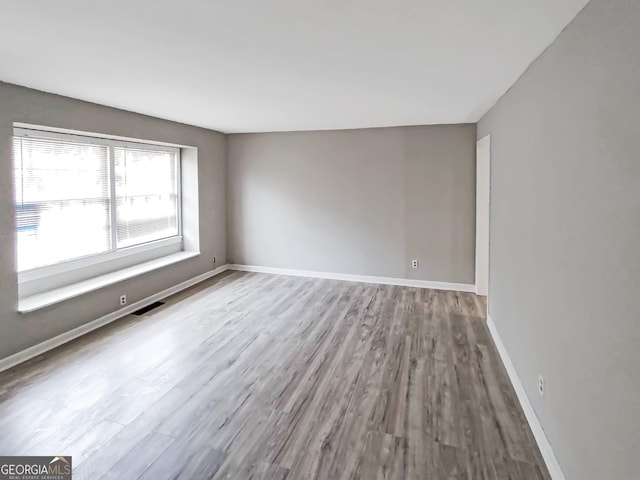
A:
(148, 308)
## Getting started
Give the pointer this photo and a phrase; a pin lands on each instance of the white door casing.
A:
(483, 196)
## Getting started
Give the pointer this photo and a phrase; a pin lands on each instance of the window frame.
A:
(125, 256)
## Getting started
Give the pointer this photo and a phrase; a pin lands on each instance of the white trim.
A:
(405, 282)
(41, 300)
(82, 133)
(63, 338)
(483, 212)
(536, 427)
(93, 260)
(45, 133)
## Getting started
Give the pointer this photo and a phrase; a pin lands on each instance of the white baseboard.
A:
(538, 432)
(405, 282)
(65, 337)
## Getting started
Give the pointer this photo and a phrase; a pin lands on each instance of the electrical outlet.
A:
(414, 263)
(123, 299)
(541, 385)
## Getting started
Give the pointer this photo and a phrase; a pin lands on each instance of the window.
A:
(80, 198)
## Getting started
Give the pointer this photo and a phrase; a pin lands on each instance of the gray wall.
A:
(19, 104)
(355, 201)
(565, 238)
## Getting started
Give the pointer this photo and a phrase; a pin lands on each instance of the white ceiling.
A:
(277, 65)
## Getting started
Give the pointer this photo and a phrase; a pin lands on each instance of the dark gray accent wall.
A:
(18, 104)
(361, 202)
(565, 238)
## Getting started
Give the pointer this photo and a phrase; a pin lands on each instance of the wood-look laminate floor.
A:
(273, 377)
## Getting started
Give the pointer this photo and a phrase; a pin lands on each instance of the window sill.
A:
(46, 299)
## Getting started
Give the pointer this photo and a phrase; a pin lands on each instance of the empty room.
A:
(320, 240)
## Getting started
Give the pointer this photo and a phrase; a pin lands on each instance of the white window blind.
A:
(62, 201)
(81, 197)
(146, 195)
